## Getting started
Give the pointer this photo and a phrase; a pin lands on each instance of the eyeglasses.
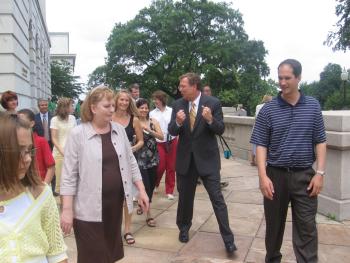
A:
(22, 153)
(31, 152)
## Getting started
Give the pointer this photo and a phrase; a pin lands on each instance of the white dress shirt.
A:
(163, 117)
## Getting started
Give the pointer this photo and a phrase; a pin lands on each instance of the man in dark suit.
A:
(42, 128)
(196, 119)
(43, 120)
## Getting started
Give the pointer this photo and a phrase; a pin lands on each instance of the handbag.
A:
(226, 150)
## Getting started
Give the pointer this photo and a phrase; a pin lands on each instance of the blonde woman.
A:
(60, 127)
(98, 175)
(126, 114)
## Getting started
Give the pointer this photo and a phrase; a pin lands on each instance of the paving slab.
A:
(246, 215)
(137, 255)
(210, 245)
(334, 254)
(245, 197)
(257, 251)
(334, 235)
(239, 226)
(157, 238)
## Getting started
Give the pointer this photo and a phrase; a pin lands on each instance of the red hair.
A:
(6, 97)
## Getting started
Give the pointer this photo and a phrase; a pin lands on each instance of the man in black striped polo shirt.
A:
(290, 136)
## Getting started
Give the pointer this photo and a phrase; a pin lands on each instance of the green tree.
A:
(98, 77)
(170, 38)
(63, 83)
(339, 39)
(329, 90)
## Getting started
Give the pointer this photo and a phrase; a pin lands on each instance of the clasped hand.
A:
(206, 114)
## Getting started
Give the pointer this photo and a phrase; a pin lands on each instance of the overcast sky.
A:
(288, 28)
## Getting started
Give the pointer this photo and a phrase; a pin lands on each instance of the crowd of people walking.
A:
(112, 160)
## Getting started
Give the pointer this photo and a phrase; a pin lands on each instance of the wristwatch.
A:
(322, 173)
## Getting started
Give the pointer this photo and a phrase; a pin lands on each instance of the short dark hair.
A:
(134, 86)
(160, 95)
(28, 113)
(41, 100)
(295, 64)
(193, 79)
(6, 97)
(141, 101)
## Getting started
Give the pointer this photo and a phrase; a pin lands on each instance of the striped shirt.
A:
(289, 132)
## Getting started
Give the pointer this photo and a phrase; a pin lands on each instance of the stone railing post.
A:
(334, 199)
(238, 130)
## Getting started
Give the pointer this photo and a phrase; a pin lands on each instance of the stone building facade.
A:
(24, 50)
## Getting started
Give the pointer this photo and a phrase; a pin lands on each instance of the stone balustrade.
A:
(334, 201)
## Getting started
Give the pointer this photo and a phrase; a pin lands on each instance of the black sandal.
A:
(129, 238)
(151, 222)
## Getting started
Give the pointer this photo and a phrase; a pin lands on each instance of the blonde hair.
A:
(93, 97)
(131, 110)
(266, 98)
(63, 105)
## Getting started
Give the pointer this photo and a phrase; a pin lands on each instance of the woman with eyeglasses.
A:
(44, 159)
(99, 172)
(29, 220)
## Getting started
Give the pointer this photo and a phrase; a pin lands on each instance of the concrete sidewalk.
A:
(160, 244)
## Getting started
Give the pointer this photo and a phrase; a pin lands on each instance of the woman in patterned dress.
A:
(148, 158)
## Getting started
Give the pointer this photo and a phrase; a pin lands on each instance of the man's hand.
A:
(180, 117)
(315, 185)
(266, 187)
(206, 113)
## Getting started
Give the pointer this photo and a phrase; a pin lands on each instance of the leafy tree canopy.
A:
(329, 91)
(170, 38)
(98, 77)
(63, 83)
(340, 38)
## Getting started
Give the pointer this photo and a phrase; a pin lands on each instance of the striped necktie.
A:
(192, 115)
(46, 128)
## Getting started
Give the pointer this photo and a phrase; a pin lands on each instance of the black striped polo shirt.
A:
(289, 132)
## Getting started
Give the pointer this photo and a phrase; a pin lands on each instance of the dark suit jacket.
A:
(38, 127)
(201, 141)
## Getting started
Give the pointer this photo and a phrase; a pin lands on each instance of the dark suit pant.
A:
(291, 187)
(186, 186)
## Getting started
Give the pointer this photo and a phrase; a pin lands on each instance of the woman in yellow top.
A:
(29, 221)
(126, 114)
(60, 127)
